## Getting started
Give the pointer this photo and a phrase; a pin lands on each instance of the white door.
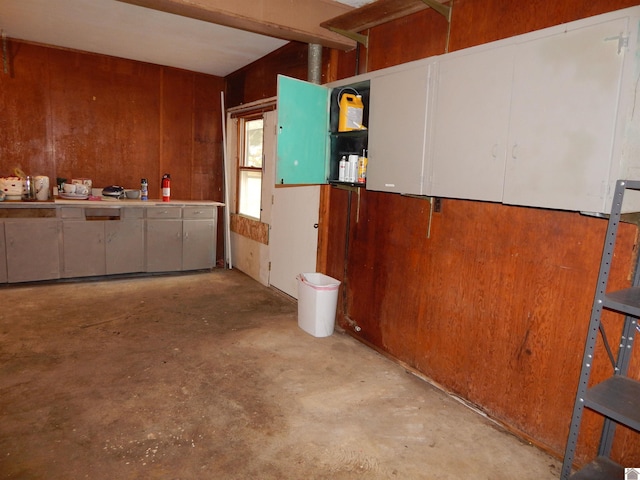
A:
(293, 235)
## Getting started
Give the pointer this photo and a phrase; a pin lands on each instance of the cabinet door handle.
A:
(315, 225)
(514, 151)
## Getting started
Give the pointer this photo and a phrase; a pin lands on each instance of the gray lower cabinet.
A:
(163, 247)
(124, 243)
(32, 249)
(83, 248)
(87, 241)
(199, 238)
(102, 241)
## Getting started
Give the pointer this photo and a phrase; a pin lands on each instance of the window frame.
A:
(243, 119)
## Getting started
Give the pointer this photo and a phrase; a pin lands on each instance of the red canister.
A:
(166, 187)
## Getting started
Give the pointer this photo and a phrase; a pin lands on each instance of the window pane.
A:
(250, 191)
(253, 143)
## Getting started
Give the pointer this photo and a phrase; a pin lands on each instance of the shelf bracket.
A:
(358, 37)
(444, 10)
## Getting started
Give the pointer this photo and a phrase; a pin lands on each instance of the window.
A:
(250, 142)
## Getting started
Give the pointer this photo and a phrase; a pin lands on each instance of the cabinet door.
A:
(471, 123)
(303, 129)
(563, 117)
(398, 130)
(198, 250)
(163, 245)
(32, 250)
(83, 248)
(124, 246)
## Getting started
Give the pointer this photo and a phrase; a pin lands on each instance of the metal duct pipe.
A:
(314, 63)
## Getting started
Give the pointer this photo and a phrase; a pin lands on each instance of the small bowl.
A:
(132, 194)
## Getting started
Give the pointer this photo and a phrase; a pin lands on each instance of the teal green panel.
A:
(302, 132)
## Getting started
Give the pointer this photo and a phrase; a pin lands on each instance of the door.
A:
(563, 117)
(398, 129)
(293, 235)
(164, 245)
(32, 249)
(83, 248)
(303, 112)
(198, 244)
(124, 247)
(472, 119)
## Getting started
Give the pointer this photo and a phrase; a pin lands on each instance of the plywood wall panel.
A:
(177, 131)
(475, 22)
(24, 123)
(259, 79)
(105, 117)
(416, 36)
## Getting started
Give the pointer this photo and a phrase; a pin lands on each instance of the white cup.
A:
(69, 188)
(81, 189)
(42, 187)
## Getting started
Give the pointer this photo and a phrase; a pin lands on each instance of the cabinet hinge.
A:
(623, 42)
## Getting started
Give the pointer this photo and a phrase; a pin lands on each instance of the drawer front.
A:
(198, 212)
(129, 213)
(72, 212)
(164, 212)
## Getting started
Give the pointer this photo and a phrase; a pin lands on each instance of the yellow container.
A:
(351, 110)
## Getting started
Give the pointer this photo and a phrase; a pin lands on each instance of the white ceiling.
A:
(124, 30)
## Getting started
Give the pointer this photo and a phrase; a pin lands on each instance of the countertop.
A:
(108, 203)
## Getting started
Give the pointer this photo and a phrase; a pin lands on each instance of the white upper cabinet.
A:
(542, 119)
(398, 122)
(566, 91)
(547, 119)
(471, 123)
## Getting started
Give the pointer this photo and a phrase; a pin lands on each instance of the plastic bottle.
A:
(144, 189)
(362, 167)
(352, 168)
(342, 169)
(166, 187)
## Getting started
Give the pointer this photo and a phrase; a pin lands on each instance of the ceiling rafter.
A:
(297, 20)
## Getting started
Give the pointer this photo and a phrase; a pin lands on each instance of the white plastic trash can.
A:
(317, 302)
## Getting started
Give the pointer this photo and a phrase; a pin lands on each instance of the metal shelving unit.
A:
(617, 398)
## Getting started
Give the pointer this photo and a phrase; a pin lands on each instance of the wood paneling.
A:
(177, 130)
(25, 139)
(475, 22)
(259, 79)
(104, 117)
(72, 114)
(410, 38)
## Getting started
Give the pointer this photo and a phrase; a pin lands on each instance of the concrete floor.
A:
(207, 376)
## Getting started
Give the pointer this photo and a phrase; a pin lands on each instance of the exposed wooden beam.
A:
(376, 13)
(297, 20)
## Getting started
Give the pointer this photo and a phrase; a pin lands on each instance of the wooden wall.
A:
(72, 114)
(490, 301)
